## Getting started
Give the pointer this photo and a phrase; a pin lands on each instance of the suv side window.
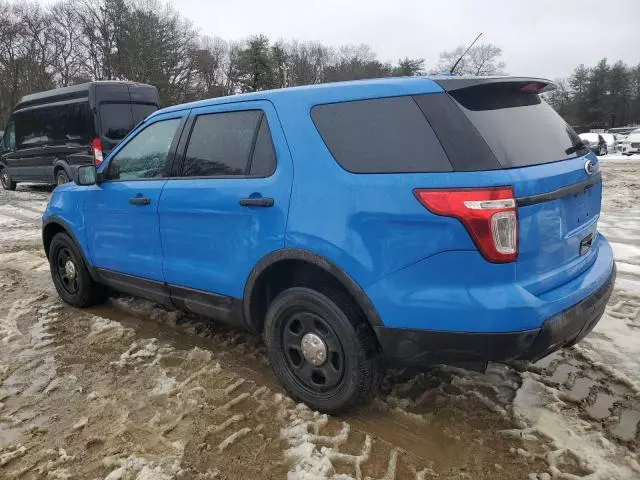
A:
(382, 135)
(226, 144)
(263, 162)
(145, 156)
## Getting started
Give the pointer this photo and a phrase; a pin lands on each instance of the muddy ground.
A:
(130, 390)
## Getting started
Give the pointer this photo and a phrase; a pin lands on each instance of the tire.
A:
(353, 366)
(5, 179)
(79, 289)
(603, 150)
(61, 177)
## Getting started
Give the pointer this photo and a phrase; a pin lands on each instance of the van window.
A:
(141, 111)
(115, 120)
(145, 156)
(63, 124)
(221, 143)
(10, 137)
(384, 135)
(118, 119)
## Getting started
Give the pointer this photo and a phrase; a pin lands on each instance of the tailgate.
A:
(555, 179)
(558, 211)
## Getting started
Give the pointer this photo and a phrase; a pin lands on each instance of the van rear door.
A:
(120, 107)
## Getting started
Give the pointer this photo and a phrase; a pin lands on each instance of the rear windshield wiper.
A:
(576, 147)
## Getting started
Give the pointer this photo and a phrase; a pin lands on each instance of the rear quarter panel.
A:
(370, 225)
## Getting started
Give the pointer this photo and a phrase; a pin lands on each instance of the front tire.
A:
(5, 179)
(603, 150)
(70, 274)
(321, 349)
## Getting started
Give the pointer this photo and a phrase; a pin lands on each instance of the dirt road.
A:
(130, 390)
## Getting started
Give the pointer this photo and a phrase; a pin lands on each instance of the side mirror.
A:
(85, 175)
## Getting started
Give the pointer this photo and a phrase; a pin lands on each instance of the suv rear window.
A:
(384, 135)
(520, 128)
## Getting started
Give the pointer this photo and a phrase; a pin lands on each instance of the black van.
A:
(51, 131)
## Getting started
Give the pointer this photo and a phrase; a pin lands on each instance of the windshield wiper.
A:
(576, 147)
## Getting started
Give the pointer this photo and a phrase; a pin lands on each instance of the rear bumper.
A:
(416, 348)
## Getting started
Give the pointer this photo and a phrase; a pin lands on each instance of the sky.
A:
(545, 38)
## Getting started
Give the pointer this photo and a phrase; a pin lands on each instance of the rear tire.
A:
(5, 179)
(70, 274)
(353, 366)
(61, 177)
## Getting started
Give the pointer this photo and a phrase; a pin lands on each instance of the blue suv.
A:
(358, 225)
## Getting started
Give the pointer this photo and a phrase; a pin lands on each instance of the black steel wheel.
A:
(321, 349)
(312, 350)
(67, 270)
(70, 275)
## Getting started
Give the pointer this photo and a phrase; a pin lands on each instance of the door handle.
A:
(257, 202)
(139, 201)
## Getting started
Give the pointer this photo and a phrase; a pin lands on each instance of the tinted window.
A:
(520, 128)
(59, 125)
(384, 135)
(263, 163)
(221, 143)
(141, 111)
(145, 156)
(465, 147)
(10, 137)
(116, 120)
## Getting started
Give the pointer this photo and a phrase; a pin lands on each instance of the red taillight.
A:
(96, 144)
(489, 215)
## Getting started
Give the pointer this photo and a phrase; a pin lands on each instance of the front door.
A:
(122, 211)
(228, 207)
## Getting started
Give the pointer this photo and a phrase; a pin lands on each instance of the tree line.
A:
(603, 96)
(75, 41)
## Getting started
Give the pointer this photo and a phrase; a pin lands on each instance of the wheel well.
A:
(49, 232)
(56, 169)
(286, 274)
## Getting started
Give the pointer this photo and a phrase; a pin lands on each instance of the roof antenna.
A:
(465, 52)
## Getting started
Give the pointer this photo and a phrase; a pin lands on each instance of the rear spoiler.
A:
(525, 84)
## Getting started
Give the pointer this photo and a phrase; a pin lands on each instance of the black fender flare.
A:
(54, 219)
(354, 289)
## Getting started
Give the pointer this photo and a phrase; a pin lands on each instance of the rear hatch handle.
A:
(559, 193)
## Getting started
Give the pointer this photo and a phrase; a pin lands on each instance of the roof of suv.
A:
(370, 88)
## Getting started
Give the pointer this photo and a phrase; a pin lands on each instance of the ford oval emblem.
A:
(590, 167)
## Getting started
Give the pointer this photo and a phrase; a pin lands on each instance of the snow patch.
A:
(566, 434)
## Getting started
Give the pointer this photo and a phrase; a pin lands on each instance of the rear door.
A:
(228, 206)
(557, 184)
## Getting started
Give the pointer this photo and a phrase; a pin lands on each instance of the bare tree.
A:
(101, 23)
(306, 62)
(483, 60)
(67, 54)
